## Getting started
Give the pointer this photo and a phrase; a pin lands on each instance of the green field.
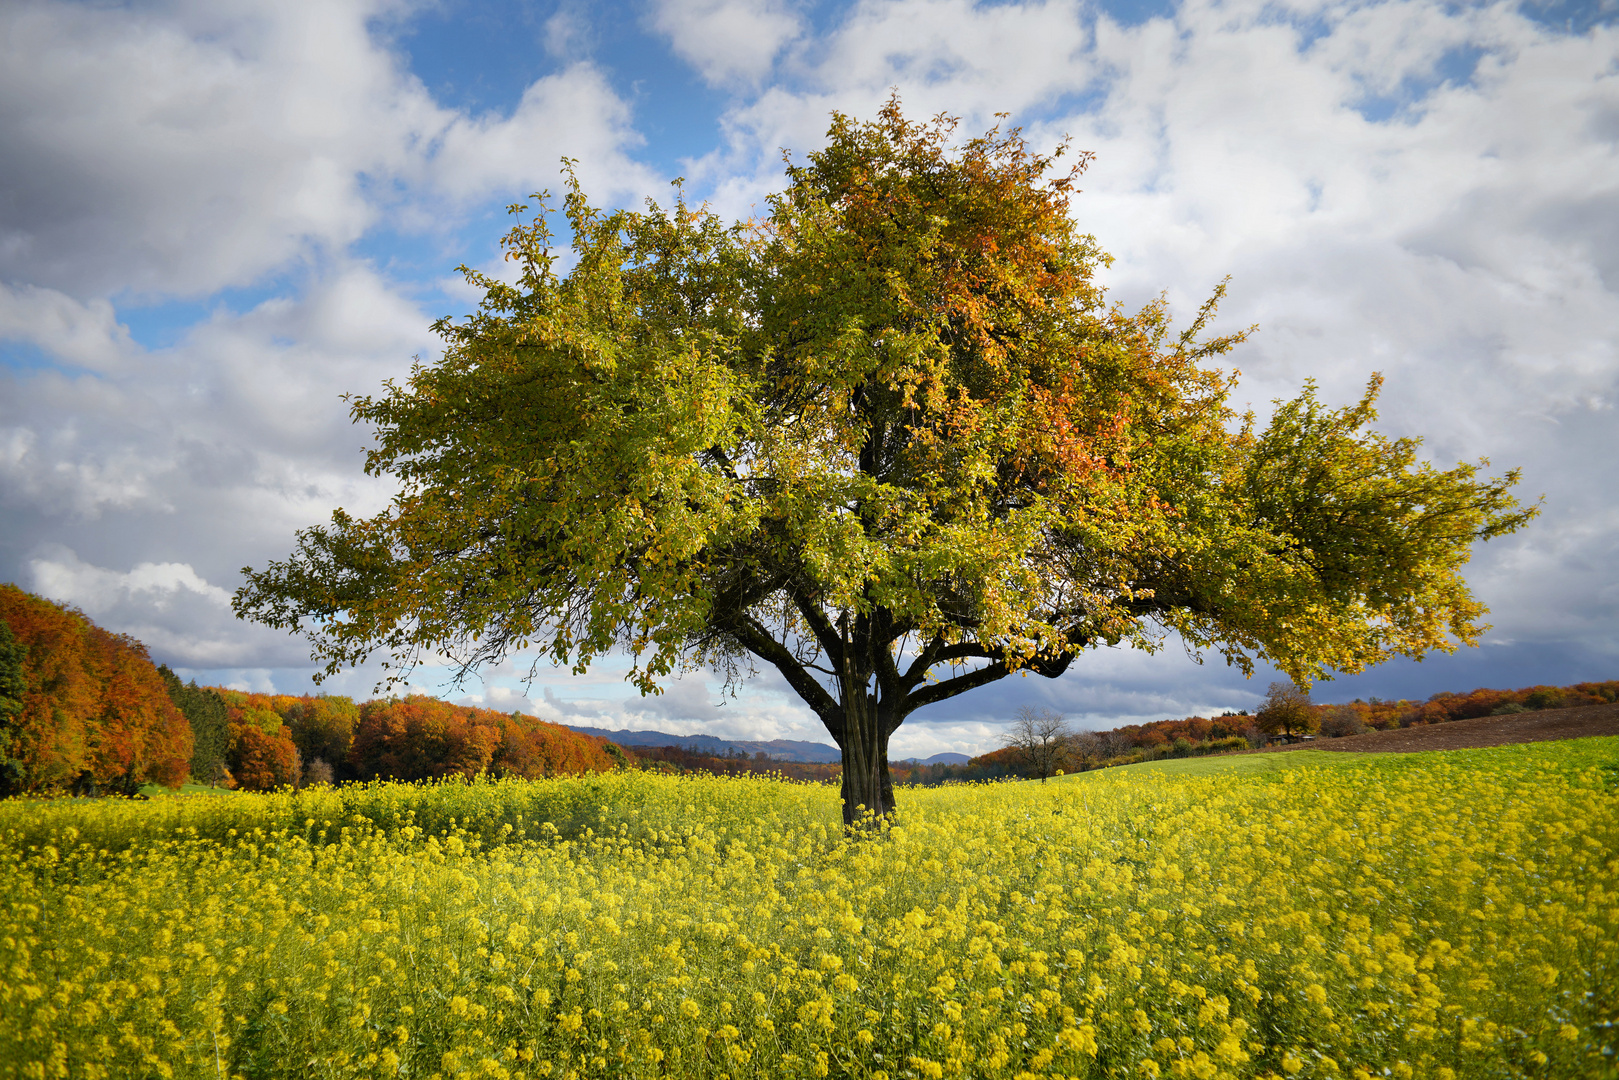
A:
(1299, 914)
(1571, 753)
(154, 791)
(1245, 764)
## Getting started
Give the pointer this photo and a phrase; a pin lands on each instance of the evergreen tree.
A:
(12, 685)
(205, 710)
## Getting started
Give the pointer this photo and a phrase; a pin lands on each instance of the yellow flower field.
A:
(1442, 915)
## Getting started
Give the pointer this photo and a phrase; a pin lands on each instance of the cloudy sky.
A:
(216, 216)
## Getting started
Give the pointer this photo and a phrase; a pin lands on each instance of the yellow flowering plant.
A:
(1412, 916)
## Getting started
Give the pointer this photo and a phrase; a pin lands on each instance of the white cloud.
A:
(182, 148)
(950, 56)
(727, 41)
(64, 577)
(691, 705)
(185, 149)
(85, 334)
(237, 427)
(574, 112)
(63, 475)
(182, 618)
(568, 31)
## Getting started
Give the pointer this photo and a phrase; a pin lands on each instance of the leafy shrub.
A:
(1544, 697)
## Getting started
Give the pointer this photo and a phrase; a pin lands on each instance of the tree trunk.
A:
(868, 792)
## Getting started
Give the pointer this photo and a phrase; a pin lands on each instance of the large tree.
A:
(888, 439)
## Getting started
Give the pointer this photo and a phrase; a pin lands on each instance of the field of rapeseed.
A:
(1444, 915)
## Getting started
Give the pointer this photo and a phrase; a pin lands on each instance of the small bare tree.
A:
(1041, 738)
(1114, 744)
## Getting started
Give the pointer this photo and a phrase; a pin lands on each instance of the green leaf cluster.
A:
(13, 684)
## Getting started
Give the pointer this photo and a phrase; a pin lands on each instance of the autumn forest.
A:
(83, 710)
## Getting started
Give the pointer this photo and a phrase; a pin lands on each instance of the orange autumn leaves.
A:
(90, 714)
(274, 738)
(976, 289)
(420, 738)
(94, 714)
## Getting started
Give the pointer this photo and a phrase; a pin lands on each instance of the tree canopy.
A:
(205, 712)
(1286, 710)
(888, 438)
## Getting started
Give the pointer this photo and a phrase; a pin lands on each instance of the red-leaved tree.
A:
(94, 713)
(421, 738)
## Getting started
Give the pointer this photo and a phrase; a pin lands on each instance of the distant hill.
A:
(778, 749)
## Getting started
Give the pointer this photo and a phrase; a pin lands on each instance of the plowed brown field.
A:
(1479, 732)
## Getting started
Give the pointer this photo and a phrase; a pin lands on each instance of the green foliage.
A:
(890, 439)
(205, 710)
(1544, 697)
(616, 752)
(12, 685)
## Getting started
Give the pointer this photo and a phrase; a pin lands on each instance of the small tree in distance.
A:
(1341, 721)
(1286, 709)
(1042, 739)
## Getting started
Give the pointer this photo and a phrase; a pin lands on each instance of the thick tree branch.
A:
(759, 641)
(1047, 664)
(826, 634)
(918, 671)
(949, 688)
